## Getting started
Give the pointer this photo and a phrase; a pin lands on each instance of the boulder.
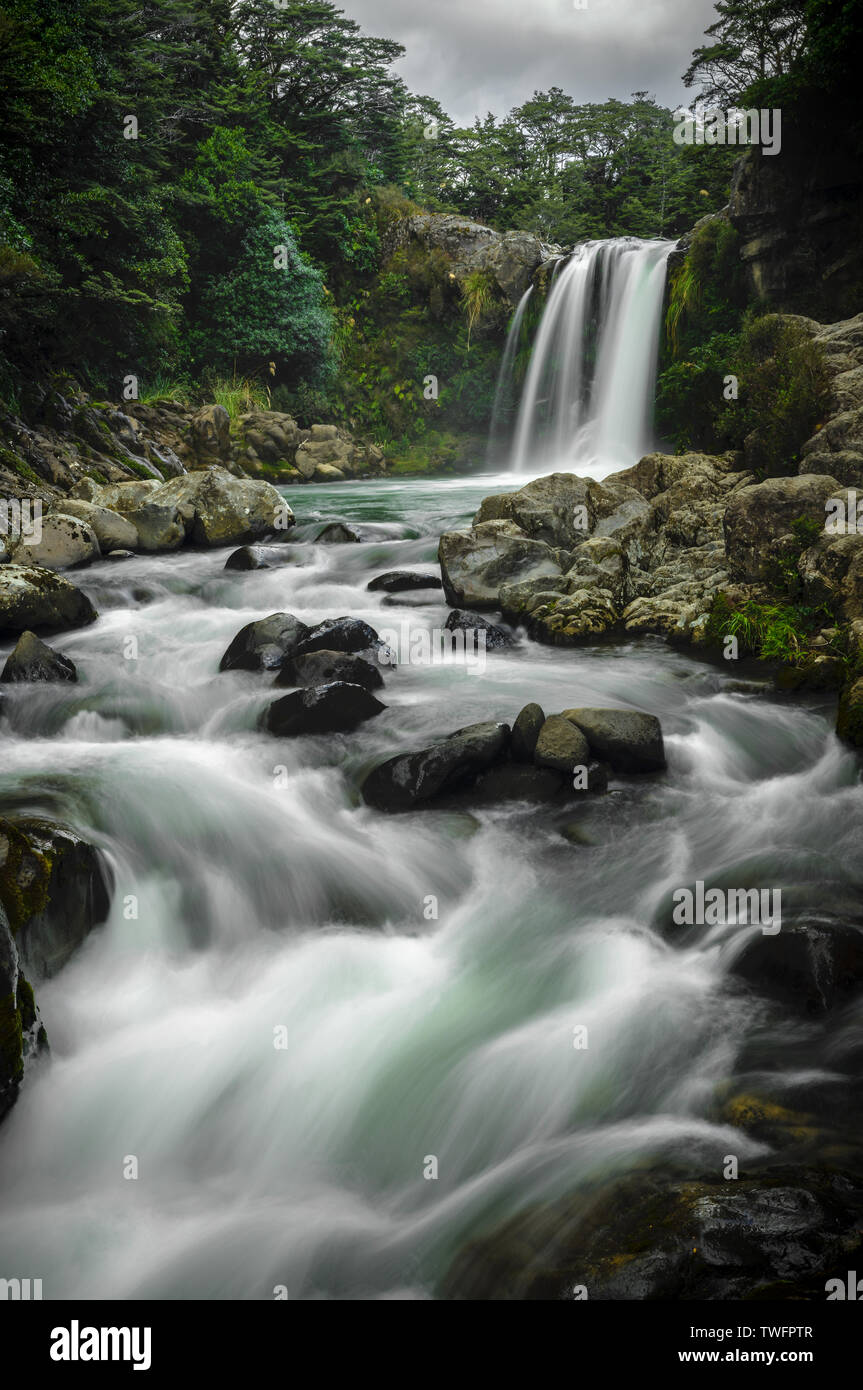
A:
(31, 660)
(525, 732)
(565, 620)
(472, 625)
(264, 644)
(759, 520)
(112, 531)
(414, 779)
(220, 509)
(116, 497)
(402, 581)
(41, 601)
(66, 543)
(561, 745)
(476, 564)
(321, 709)
(629, 740)
(55, 888)
(322, 666)
(340, 635)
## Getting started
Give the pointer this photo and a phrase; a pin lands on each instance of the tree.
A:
(753, 40)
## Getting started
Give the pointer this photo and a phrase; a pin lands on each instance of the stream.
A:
(426, 972)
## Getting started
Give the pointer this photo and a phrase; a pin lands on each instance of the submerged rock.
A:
(321, 709)
(32, 660)
(321, 667)
(41, 601)
(629, 740)
(263, 645)
(518, 782)
(337, 533)
(402, 581)
(777, 1234)
(340, 635)
(810, 966)
(412, 779)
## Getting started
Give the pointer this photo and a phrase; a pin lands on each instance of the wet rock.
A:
(41, 601)
(321, 709)
(567, 621)
(261, 557)
(525, 732)
(264, 644)
(120, 555)
(561, 745)
(414, 779)
(476, 564)
(810, 966)
(472, 625)
(629, 740)
(518, 782)
(66, 542)
(112, 531)
(778, 1234)
(337, 533)
(402, 581)
(55, 888)
(340, 635)
(321, 667)
(32, 660)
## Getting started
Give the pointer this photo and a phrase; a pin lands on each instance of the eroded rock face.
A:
(510, 258)
(41, 601)
(759, 520)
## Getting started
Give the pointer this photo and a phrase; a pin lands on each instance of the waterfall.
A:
(502, 402)
(588, 394)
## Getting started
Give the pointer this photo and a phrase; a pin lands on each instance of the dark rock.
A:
(518, 782)
(337, 533)
(339, 635)
(779, 1234)
(810, 966)
(627, 739)
(321, 667)
(39, 600)
(471, 624)
(399, 581)
(54, 886)
(31, 660)
(263, 645)
(415, 778)
(248, 557)
(321, 709)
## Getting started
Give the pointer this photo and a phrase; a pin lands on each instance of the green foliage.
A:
(238, 397)
(769, 631)
(785, 392)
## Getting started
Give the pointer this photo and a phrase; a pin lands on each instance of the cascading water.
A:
(587, 397)
(268, 898)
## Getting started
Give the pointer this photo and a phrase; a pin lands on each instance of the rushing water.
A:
(587, 398)
(269, 896)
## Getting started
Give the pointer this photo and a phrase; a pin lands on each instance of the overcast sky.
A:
(490, 55)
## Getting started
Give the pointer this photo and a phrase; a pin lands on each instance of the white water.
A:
(587, 399)
(264, 905)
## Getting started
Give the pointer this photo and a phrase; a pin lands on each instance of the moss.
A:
(11, 1043)
(9, 459)
(25, 877)
(26, 1003)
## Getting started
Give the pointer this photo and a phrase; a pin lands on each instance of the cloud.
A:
(490, 55)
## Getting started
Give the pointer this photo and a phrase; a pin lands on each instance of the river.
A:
(259, 902)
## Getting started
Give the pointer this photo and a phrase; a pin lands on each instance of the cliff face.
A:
(800, 219)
